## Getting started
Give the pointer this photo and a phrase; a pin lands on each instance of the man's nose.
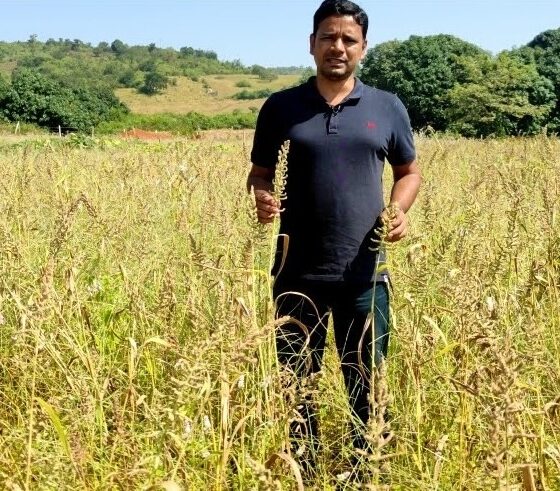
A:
(337, 45)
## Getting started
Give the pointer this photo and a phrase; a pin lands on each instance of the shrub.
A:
(183, 124)
(154, 83)
(128, 79)
(263, 73)
(35, 98)
(246, 95)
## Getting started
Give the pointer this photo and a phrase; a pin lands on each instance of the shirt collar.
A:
(355, 95)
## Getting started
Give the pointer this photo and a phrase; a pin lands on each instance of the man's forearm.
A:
(405, 190)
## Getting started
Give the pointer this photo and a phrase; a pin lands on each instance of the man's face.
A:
(337, 46)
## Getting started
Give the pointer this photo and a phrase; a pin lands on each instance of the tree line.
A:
(450, 85)
(118, 64)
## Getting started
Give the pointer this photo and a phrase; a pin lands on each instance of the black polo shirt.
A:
(335, 170)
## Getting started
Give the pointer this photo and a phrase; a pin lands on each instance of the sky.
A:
(270, 32)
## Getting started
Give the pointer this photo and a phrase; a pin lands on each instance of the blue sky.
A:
(270, 32)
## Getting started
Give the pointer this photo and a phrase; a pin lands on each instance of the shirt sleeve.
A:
(267, 139)
(401, 146)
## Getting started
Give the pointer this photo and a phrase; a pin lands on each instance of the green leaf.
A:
(57, 424)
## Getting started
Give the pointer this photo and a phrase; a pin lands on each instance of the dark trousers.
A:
(300, 342)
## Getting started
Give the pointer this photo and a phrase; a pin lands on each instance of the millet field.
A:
(136, 325)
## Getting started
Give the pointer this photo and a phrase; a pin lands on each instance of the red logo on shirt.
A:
(371, 125)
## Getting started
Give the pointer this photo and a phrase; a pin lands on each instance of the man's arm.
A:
(407, 179)
(260, 180)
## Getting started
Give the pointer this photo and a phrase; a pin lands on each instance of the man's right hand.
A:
(267, 206)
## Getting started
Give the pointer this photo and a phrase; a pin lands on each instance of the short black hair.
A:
(340, 7)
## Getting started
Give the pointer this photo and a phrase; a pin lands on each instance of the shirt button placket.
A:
(333, 120)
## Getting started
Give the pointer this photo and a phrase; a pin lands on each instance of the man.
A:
(341, 132)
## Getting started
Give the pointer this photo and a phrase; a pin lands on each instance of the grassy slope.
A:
(192, 96)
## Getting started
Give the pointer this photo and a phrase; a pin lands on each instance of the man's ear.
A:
(364, 50)
(311, 43)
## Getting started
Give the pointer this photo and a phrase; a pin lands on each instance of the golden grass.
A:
(225, 86)
(135, 324)
(189, 96)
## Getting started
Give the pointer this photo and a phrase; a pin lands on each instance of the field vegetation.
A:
(136, 325)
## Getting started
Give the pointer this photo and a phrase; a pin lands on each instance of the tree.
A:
(147, 66)
(35, 98)
(102, 47)
(546, 49)
(420, 71)
(33, 42)
(154, 83)
(3, 91)
(128, 79)
(76, 44)
(263, 73)
(502, 96)
(306, 74)
(118, 47)
(4, 87)
(186, 51)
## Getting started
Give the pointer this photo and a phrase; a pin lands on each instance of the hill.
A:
(211, 95)
(191, 79)
(68, 85)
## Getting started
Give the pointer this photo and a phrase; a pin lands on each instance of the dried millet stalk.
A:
(281, 172)
(392, 212)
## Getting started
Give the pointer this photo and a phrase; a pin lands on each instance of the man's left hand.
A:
(398, 225)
